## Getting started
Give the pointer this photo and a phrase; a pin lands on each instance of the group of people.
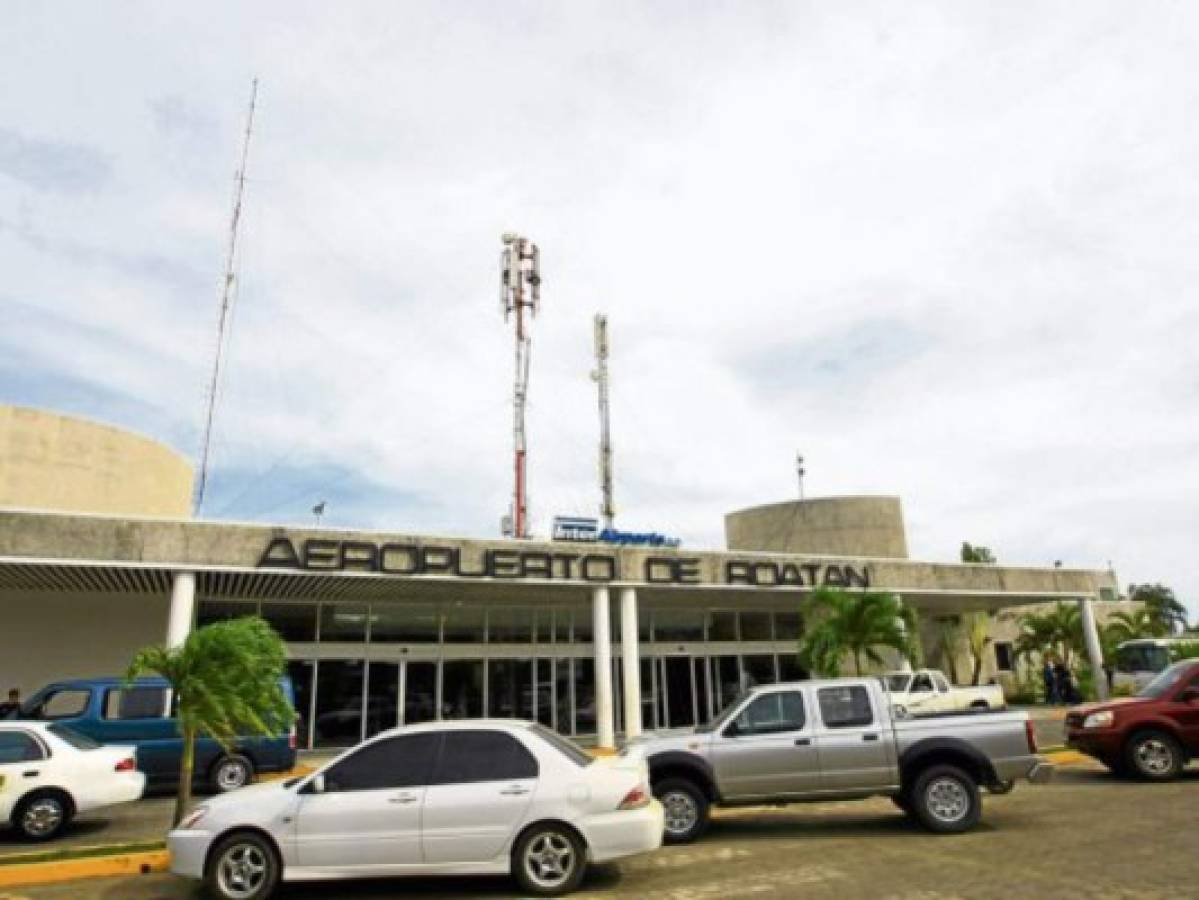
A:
(1059, 683)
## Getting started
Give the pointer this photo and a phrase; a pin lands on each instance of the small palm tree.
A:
(857, 624)
(1126, 626)
(225, 679)
(1058, 630)
(978, 638)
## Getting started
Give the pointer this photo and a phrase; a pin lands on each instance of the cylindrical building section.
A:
(832, 526)
(63, 463)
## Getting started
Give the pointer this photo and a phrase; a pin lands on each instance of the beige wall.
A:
(837, 526)
(54, 462)
(46, 635)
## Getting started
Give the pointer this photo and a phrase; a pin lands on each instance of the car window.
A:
(772, 713)
(898, 683)
(134, 703)
(397, 762)
(845, 707)
(471, 756)
(941, 683)
(922, 683)
(19, 746)
(65, 704)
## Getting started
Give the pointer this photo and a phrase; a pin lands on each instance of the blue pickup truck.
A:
(113, 711)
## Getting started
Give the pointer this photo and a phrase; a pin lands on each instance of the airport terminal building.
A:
(592, 638)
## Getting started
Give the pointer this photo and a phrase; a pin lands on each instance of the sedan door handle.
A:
(32, 773)
(514, 791)
(403, 798)
(803, 742)
(870, 737)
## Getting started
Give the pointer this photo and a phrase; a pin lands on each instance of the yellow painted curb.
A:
(297, 772)
(142, 862)
(603, 751)
(1067, 757)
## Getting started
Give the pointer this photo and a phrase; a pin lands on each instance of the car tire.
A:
(42, 815)
(548, 860)
(903, 802)
(1153, 756)
(242, 866)
(685, 810)
(230, 773)
(946, 800)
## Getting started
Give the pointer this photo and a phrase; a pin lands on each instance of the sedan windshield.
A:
(1166, 680)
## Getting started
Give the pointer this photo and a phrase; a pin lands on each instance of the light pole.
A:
(799, 472)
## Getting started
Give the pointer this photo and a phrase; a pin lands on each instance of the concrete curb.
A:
(141, 862)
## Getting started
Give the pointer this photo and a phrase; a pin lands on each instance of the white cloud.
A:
(945, 250)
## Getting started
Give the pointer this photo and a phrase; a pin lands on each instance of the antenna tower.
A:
(520, 292)
(600, 377)
(227, 293)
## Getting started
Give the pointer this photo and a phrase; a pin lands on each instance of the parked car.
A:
(444, 798)
(837, 740)
(1151, 735)
(928, 691)
(113, 711)
(49, 773)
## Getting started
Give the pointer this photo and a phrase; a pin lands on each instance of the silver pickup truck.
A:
(837, 740)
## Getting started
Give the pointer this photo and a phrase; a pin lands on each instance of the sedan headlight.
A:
(1099, 719)
(193, 818)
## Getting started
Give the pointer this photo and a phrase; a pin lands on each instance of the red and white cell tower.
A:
(520, 290)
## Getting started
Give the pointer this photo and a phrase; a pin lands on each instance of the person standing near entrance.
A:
(1050, 679)
(11, 708)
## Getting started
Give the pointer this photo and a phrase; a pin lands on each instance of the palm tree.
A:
(857, 624)
(1058, 630)
(978, 638)
(225, 679)
(1126, 626)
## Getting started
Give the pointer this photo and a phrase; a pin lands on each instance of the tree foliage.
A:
(978, 638)
(855, 624)
(1167, 611)
(1057, 631)
(225, 679)
(977, 554)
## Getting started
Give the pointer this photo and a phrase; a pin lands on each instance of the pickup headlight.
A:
(192, 818)
(1099, 719)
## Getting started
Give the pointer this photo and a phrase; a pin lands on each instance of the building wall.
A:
(56, 462)
(47, 635)
(834, 526)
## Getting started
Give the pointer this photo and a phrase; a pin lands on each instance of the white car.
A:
(49, 773)
(452, 798)
(927, 691)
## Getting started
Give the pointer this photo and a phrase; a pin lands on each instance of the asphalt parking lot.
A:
(1085, 835)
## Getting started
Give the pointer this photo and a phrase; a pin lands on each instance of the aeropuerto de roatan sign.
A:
(395, 558)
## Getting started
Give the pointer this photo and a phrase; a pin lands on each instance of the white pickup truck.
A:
(927, 691)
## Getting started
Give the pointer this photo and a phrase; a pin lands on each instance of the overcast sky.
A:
(946, 250)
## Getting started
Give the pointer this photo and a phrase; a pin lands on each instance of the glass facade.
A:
(361, 668)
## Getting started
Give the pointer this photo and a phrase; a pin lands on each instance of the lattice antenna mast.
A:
(227, 294)
(600, 377)
(520, 292)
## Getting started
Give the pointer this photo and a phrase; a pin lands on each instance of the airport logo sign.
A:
(584, 530)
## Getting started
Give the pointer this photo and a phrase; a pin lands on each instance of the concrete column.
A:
(1090, 634)
(630, 662)
(183, 608)
(601, 632)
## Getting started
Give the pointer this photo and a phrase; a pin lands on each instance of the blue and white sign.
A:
(579, 528)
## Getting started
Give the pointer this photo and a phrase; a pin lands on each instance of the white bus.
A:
(1139, 661)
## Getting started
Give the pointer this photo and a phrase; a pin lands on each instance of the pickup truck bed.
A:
(837, 740)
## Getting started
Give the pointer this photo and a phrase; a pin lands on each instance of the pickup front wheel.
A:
(684, 808)
(946, 800)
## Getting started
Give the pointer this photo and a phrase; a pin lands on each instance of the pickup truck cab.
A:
(1151, 735)
(837, 740)
(113, 711)
(927, 690)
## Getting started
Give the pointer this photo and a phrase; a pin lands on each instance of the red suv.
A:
(1151, 735)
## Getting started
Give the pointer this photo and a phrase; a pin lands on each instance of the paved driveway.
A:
(1086, 835)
